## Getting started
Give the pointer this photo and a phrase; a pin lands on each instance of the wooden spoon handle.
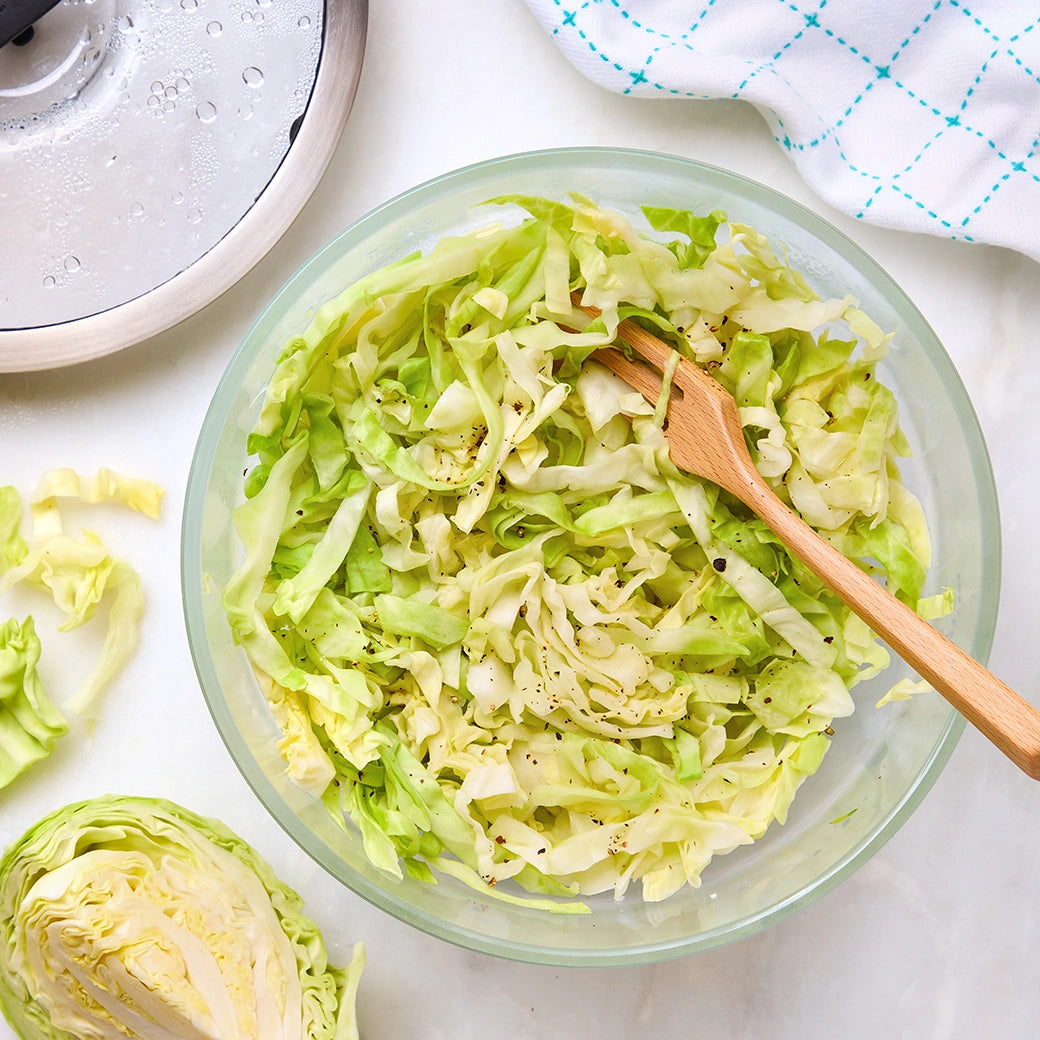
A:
(1009, 721)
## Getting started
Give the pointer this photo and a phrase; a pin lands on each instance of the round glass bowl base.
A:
(881, 761)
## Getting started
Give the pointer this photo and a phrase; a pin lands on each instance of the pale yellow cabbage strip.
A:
(80, 573)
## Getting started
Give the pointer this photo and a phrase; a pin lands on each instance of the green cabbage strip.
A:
(500, 632)
(78, 574)
(131, 916)
(30, 724)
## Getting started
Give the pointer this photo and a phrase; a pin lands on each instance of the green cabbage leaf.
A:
(30, 724)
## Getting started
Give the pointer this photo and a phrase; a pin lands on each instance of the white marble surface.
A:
(937, 936)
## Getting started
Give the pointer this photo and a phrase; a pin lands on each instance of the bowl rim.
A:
(649, 950)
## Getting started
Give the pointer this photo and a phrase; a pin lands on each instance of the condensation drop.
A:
(48, 282)
(137, 210)
(214, 28)
(206, 111)
(177, 198)
(195, 216)
(158, 87)
(189, 5)
(304, 22)
(182, 83)
(253, 76)
(124, 23)
(71, 264)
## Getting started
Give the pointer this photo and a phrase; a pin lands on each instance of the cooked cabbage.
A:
(500, 631)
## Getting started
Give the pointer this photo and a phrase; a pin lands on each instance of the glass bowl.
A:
(883, 760)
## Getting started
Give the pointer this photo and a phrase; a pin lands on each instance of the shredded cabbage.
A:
(500, 631)
(78, 574)
(129, 916)
(30, 724)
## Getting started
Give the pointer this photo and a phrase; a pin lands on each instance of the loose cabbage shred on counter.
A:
(78, 574)
(30, 723)
(500, 632)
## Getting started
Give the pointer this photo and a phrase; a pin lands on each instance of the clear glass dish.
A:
(882, 762)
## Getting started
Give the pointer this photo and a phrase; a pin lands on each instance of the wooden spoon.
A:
(705, 438)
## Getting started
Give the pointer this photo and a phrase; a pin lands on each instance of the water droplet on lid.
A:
(206, 111)
(72, 264)
(214, 28)
(253, 76)
(168, 106)
(48, 282)
(157, 87)
(137, 210)
(177, 198)
(153, 101)
(304, 22)
(124, 23)
(189, 5)
(182, 83)
(195, 215)
(170, 92)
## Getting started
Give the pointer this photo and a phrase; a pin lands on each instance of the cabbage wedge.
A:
(134, 917)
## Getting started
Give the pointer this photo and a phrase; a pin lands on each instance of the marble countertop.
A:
(934, 937)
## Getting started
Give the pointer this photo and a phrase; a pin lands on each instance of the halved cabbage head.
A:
(130, 916)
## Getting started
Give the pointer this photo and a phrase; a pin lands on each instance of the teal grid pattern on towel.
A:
(917, 115)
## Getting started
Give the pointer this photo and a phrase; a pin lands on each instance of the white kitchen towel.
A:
(922, 115)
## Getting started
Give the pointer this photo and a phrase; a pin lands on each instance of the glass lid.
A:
(151, 152)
